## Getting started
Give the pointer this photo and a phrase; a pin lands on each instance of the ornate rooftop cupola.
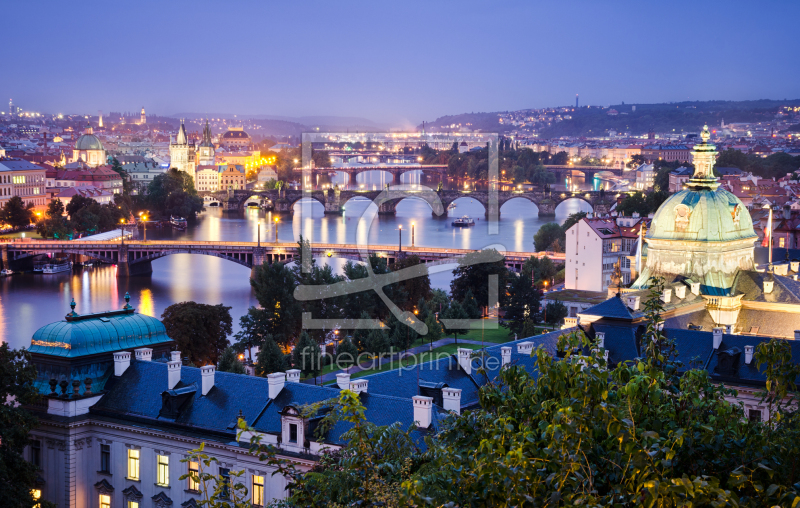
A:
(703, 158)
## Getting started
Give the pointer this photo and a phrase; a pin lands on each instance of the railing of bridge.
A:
(211, 245)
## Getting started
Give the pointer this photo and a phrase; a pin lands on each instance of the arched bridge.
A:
(334, 200)
(395, 170)
(135, 257)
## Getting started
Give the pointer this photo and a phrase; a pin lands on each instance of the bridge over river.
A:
(334, 200)
(135, 257)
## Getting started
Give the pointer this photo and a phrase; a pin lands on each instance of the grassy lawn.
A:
(426, 356)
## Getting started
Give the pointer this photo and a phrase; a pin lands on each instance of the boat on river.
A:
(57, 266)
(177, 222)
(464, 222)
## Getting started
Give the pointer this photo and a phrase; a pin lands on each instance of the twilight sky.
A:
(401, 62)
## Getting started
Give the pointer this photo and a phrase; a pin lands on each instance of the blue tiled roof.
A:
(747, 374)
(613, 308)
(620, 341)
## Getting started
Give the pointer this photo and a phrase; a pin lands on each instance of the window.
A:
(133, 464)
(36, 453)
(754, 415)
(162, 462)
(132, 504)
(105, 458)
(194, 485)
(105, 501)
(292, 432)
(258, 490)
(226, 481)
(781, 242)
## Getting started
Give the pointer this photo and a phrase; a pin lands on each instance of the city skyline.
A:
(316, 59)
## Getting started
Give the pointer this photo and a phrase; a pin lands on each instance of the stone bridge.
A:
(135, 257)
(395, 171)
(334, 200)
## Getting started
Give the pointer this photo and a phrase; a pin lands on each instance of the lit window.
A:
(105, 501)
(133, 464)
(163, 470)
(258, 490)
(194, 485)
(132, 504)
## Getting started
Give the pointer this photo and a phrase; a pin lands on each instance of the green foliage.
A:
(470, 276)
(216, 491)
(173, 193)
(547, 236)
(54, 224)
(346, 354)
(522, 304)
(455, 311)
(641, 203)
(554, 313)
(776, 165)
(377, 342)
(270, 358)
(229, 362)
(17, 476)
(280, 313)
(434, 329)
(471, 306)
(409, 291)
(199, 330)
(16, 213)
(306, 356)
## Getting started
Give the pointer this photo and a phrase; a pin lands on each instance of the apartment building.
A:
(21, 178)
(595, 245)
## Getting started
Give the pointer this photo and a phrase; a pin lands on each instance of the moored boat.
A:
(464, 222)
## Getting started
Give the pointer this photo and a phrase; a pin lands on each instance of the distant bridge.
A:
(394, 169)
(135, 257)
(334, 200)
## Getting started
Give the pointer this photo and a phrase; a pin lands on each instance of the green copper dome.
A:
(702, 215)
(88, 142)
(98, 333)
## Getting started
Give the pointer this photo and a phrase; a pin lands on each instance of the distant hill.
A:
(678, 116)
(486, 122)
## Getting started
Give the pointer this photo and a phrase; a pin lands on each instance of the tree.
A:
(270, 358)
(16, 213)
(522, 303)
(229, 362)
(546, 236)
(54, 224)
(253, 329)
(377, 342)
(200, 331)
(560, 159)
(573, 219)
(635, 202)
(434, 329)
(471, 306)
(17, 389)
(274, 285)
(416, 287)
(555, 312)
(346, 354)
(173, 192)
(306, 356)
(472, 274)
(636, 161)
(455, 312)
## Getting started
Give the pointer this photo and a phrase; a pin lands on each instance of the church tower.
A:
(205, 155)
(182, 153)
(143, 119)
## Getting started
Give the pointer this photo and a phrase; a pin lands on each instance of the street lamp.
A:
(144, 225)
(276, 230)
(259, 233)
(400, 245)
(412, 234)
(122, 231)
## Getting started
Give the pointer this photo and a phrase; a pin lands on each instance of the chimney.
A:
(293, 376)
(122, 361)
(423, 410)
(795, 266)
(601, 339)
(768, 286)
(666, 296)
(633, 302)
(695, 288)
(173, 370)
(524, 348)
(797, 335)
(505, 354)
(144, 354)
(729, 329)
(680, 292)
(343, 380)
(276, 382)
(207, 378)
(464, 359)
(451, 399)
(781, 269)
(359, 385)
(748, 355)
(716, 334)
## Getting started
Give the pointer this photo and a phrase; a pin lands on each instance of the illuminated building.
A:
(182, 152)
(143, 118)
(205, 152)
(89, 149)
(235, 138)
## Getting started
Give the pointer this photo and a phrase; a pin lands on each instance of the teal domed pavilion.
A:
(702, 233)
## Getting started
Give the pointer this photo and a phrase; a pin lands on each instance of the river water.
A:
(29, 301)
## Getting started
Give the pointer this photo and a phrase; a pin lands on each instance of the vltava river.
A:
(29, 301)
